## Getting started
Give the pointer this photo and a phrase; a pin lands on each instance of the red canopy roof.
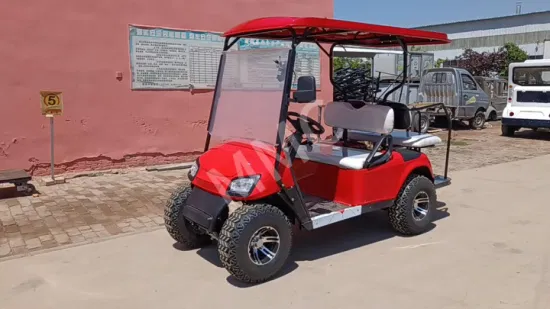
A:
(326, 30)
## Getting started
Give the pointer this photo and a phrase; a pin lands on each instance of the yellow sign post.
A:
(51, 103)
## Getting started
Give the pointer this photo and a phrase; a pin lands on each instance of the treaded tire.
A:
(478, 121)
(235, 236)
(177, 226)
(401, 212)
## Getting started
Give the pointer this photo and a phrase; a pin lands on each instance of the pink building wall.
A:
(77, 47)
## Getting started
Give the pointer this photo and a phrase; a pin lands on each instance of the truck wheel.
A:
(478, 121)
(255, 242)
(411, 213)
(507, 130)
(424, 122)
(180, 229)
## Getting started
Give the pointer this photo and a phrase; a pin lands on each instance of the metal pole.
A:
(319, 118)
(51, 146)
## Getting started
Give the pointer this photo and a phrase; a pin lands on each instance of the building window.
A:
(535, 57)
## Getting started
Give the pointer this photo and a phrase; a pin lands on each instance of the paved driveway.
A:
(489, 249)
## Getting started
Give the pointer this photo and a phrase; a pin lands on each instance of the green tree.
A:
(353, 63)
(513, 54)
(439, 63)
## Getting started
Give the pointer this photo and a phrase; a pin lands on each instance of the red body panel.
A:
(356, 187)
(220, 165)
(327, 30)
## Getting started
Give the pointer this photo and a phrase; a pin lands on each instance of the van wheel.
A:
(478, 121)
(411, 214)
(493, 116)
(255, 242)
(507, 130)
(179, 228)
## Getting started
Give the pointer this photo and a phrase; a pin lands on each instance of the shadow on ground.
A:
(333, 239)
(540, 134)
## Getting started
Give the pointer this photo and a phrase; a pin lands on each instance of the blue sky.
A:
(414, 13)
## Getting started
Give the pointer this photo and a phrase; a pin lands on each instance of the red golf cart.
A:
(248, 190)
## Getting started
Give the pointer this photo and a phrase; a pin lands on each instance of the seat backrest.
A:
(402, 115)
(368, 118)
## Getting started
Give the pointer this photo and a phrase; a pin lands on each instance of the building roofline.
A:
(485, 19)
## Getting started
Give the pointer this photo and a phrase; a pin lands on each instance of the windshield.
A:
(531, 76)
(249, 95)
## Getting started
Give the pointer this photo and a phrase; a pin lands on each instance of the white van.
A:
(528, 103)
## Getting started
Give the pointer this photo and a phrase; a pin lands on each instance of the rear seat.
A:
(401, 137)
(373, 119)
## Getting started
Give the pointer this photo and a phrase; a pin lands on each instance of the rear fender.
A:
(421, 166)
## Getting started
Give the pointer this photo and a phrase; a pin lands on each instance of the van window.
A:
(468, 83)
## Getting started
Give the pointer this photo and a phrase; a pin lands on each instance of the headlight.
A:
(193, 170)
(243, 186)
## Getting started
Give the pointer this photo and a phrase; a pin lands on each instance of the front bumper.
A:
(525, 123)
(206, 210)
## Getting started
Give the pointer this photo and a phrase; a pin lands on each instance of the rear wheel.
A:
(493, 116)
(180, 229)
(411, 213)
(478, 121)
(507, 130)
(255, 242)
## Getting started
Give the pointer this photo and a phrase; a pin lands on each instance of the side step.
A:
(324, 212)
(440, 181)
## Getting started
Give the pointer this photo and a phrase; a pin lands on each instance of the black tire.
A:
(403, 217)
(236, 233)
(507, 130)
(180, 229)
(424, 122)
(478, 121)
(493, 116)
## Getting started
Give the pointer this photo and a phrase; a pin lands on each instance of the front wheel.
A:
(179, 228)
(255, 242)
(478, 121)
(411, 214)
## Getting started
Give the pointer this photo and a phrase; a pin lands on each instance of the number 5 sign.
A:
(51, 102)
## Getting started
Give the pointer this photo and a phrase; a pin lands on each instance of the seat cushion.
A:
(400, 138)
(329, 153)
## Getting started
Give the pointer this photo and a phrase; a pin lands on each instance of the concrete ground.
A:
(488, 249)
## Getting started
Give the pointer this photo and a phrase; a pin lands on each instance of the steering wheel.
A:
(304, 124)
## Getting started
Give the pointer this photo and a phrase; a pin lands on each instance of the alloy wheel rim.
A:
(263, 245)
(421, 206)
